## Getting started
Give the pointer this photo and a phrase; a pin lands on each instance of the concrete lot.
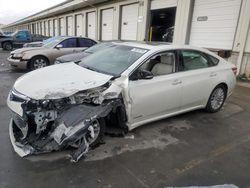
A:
(191, 149)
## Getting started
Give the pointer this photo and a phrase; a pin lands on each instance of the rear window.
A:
(213, 59)
(69, 43)
(86, 42)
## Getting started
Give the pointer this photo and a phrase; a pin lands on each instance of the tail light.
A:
(234, 69)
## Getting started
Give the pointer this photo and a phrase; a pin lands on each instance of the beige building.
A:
(219, 25)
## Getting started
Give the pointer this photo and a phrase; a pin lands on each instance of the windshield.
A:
(13, 34)
(98, 47)
(51, 42)
(113, 60)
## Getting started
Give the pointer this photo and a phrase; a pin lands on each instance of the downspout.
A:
(242, 48)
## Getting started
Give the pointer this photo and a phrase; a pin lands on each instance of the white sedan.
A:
(124, 85)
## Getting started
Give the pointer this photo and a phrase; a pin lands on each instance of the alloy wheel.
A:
(217, 98)
(39, 63)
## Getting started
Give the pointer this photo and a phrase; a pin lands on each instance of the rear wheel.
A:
(38, 62)
(7, 46)
(216, 99)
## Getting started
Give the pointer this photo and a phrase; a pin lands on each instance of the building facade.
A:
(219, 25)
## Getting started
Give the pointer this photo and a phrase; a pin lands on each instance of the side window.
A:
(69, 43)
(158, 65)
(192, 60)
(21, 35)
(86, 42)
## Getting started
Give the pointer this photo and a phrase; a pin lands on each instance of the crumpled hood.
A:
(22, 50)
(59, 81)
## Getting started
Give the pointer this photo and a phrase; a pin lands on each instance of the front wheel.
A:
(38, 62)
(7, 46)
(216, 99)
(94, 135)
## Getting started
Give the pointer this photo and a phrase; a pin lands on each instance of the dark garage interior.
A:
(162, 24)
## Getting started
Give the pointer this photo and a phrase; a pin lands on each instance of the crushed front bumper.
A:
(20, 149)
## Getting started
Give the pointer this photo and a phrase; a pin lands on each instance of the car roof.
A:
(159, 46)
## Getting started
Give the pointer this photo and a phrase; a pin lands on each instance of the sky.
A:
(13, 10)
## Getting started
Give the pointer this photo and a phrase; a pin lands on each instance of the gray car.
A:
(39, 57)
(77, 57)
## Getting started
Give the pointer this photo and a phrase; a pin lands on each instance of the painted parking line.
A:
(212, 154)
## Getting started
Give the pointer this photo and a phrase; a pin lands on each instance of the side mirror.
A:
(144, 74)
(59, 46)
(141, 75)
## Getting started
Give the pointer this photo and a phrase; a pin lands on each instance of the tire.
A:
(100, 123)
(7, 46)
(38, 62)
(216, 99)
(98, 135)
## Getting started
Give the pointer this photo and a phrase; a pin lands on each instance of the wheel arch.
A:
(224, 84)
(2, 42)
(35, 56)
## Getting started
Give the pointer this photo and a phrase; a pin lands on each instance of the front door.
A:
(159, 95)
(69, 46)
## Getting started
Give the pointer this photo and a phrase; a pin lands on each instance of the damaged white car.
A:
(124, 86)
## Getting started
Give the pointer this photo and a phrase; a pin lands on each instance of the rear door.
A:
(197, 75)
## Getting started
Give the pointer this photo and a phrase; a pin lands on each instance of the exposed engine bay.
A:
(77, 122)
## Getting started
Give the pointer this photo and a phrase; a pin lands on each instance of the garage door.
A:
(79, 25)
(214, 23)
(107, 24)
(41, 28)
(91, 25)
(129, 22)
(70, 26)
(56, 31)
(46, 26)
(62, 27)
(37, 28)
(160, 4)
(50, 28)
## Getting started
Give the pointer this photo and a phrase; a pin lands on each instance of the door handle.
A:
(213, 74)
(176, 82)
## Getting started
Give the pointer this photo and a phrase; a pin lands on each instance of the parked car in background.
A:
(8, 33)
(38, 43)
(77, 57)
(39, 57)
(18, 39)
(125, 85)
(169, 35)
